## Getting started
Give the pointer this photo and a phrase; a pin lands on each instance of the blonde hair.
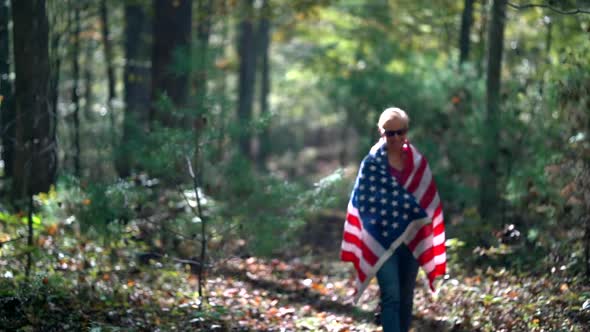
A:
(393, 113)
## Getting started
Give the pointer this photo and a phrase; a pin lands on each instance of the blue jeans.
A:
(397, 279)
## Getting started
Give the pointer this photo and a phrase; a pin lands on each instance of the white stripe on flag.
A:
(417, 160)
(365, 238)
(438, 239)
(352, 210)
(428, 267)
(352, 230)
(423, 186)
(432, 206)
(363, 265)
(437, 220)
(414, 227)
(373, 244)
(423, 245)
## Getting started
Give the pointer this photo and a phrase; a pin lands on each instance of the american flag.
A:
(383, 213)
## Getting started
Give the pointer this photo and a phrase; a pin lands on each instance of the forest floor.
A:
(310, 291)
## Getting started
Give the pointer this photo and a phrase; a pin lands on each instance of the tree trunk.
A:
(464, 40)
(247, 56)
(108, 56)
(205, 13)
(547, 58)
(264, 46)
(54, 77)
(172, 34)
(482, 33)
(6, 92)
(75, 91)
(88, 78)
(137, 84)
(489, 197)
(35, 149)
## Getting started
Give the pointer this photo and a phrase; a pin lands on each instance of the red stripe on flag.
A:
(428, 195)
(353, 220)
(439, 270)
(348, 256)
(426, 256)
(422, 233)
(418, 176)
(439, 250)
(368, 255)
(409, 166)
(430, 253)
(438, 229)
(437, 211)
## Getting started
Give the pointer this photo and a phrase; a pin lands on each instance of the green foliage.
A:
(106, 208)
(19, 220)
(42, 304)
(268, 211)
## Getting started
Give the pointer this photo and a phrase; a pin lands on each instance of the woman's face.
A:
(394, 131)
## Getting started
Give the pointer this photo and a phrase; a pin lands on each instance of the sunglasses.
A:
(399, 132)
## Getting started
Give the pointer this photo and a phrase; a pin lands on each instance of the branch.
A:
(532, 5)
(11, 240)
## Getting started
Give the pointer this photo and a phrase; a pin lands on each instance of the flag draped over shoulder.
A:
(383, 213)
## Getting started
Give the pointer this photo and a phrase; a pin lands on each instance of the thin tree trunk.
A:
(586, 220)
(35, 149)
(222, 89)
(54, 78)
(482, 35)
(172, 34)
(247, 55)
(264, 46)
(489, 197)
(75, 91)
(204, 12)
(466, 23)
(108, 55)
(88, 78)
(137, 84)
(30, 236)
(6, 92)
(547, 58)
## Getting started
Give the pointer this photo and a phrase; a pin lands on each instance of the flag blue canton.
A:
(385, 207)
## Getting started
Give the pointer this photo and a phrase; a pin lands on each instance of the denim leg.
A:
(407, 278)
(389, 286)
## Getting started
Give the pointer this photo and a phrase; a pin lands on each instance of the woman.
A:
(394, 221)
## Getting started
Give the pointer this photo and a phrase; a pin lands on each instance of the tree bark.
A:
(88, 78)
(466, 23)
(172, 34)
(204, 10)
(264, 47)
(247, 72)
(137, 84)
(54, 76)
(35, 149)
(75, 91)
(6, 92)
(108, 56)
(489, 197)
(482, 33)
(205, 13)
